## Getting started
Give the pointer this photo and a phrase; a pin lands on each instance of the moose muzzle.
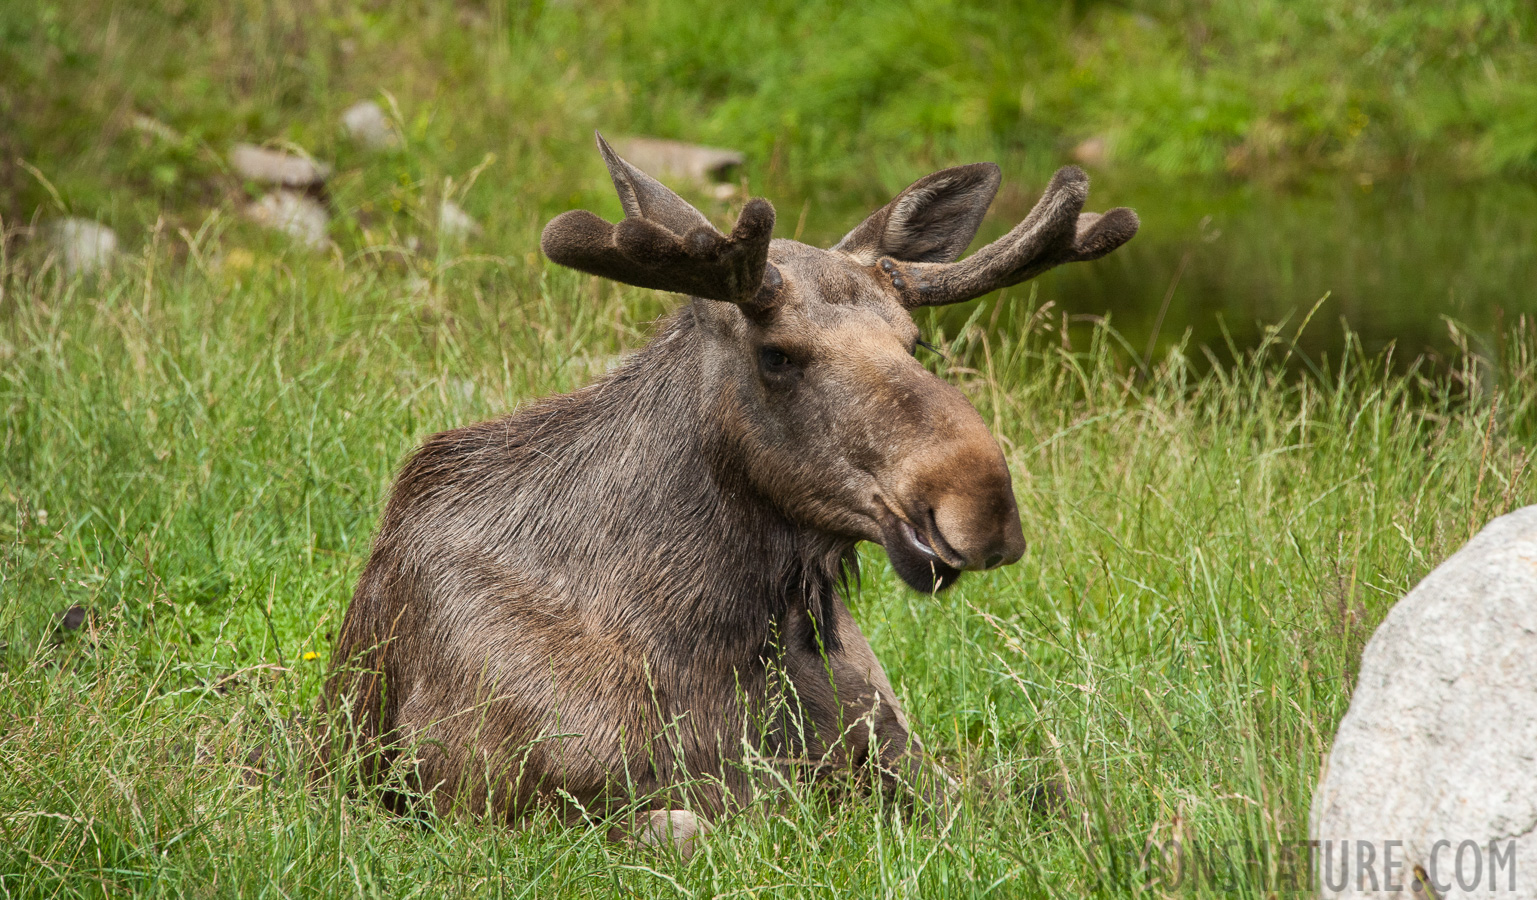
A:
(950, 506)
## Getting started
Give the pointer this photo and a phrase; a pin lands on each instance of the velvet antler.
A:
(663, 242)
(1055, 232)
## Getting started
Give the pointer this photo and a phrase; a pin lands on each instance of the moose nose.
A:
(949, 486)
(974, 514)
(981, 532)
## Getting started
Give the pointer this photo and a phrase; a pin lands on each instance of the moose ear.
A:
(643, 197)
(665, 244)
(933, 220)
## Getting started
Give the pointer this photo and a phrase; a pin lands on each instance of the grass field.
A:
(196, 449)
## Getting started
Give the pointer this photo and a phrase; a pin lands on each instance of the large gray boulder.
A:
(1434, 768)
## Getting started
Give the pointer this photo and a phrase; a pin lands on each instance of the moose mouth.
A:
(913, 556)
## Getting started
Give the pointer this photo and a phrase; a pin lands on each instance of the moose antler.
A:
(1055, 232)
(664, 243)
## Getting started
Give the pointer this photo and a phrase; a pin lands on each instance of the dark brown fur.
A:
(623, 592)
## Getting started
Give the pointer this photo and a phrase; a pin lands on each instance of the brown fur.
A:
(616, 594)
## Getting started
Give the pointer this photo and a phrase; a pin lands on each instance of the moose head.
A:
(808, 354)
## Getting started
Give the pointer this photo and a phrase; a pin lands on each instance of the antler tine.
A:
(1055, 232)
(663, 243)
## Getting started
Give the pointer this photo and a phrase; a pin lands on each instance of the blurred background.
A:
(1369, 161)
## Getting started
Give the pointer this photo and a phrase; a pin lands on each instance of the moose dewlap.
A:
(617, 596)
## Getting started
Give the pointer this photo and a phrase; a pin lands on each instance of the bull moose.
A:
(613, 598)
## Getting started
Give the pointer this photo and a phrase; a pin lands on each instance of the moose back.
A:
(618, 595)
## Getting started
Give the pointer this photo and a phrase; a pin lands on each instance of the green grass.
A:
(198, 451)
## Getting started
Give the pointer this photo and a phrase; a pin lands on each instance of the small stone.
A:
(265, 166)
(454, 224)
(1434, 764)
(72, 618)
(366, 123)
(299, 216)
(679, 827)
(664, 159)
(1091, 152)
(83, 245)
(152, 127)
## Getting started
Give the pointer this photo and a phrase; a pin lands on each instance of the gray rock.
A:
(82, 245)
(677, 161)
(678, 828)
(297, 215)
(154, 128)
(275, 167)
(1091, 152)
(1435, 763)
(366, 123)
(454, 224)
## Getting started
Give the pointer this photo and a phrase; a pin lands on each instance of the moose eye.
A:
(774, 361)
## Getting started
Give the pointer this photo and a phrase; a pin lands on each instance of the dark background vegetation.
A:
(821, 95)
